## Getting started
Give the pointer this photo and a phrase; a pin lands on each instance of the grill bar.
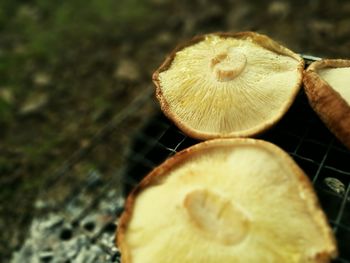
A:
(306, 139)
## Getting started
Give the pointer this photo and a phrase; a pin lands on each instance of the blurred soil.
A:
(68, 67)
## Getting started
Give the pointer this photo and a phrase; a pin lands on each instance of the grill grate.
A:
(300, 133)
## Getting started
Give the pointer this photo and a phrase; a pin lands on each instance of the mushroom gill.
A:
(228, 85)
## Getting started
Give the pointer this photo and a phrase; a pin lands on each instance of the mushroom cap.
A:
(225, 200)
(228, 85)
(327, 86)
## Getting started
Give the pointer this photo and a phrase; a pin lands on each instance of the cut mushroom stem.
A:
(216, 217)
(227, 66)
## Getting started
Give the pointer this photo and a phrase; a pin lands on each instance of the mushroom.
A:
(228, 85)
(327, 86)
(225, 200)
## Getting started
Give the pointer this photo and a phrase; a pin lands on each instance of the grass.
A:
(76, 44)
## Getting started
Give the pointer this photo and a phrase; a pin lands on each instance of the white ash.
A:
(56, 238)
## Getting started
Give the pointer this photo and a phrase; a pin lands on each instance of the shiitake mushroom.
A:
(225, 200)
(327, 86)
(228, 85)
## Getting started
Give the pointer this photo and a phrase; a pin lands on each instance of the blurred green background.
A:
(67, 67)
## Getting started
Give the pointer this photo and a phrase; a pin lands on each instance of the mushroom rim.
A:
(328, 63)
(320, 94)
(260, 39)
(252, 132)
(161, 171)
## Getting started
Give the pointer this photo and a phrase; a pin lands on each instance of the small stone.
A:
(34, 103)
(42, 79)
(165, 38)
(279, 9)
(127, 70)
(40, 204)
(85, 143)
(335, 185)
(6, 95)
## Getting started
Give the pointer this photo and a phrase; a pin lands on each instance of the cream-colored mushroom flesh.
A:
(338, 79)
(228, 200)
(228, 86)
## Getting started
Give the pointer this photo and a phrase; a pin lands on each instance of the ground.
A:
(68, 67)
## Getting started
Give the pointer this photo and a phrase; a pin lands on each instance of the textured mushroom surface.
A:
(339, 80)
(225, 200)
(327, 85)
(228, 85)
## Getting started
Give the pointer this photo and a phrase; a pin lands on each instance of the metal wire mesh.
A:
(300, 133)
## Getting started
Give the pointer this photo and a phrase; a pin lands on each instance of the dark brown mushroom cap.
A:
(327, 86)
(225, 200)
(228, 85)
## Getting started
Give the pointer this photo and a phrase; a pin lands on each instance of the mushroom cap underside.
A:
(220, 200)
(228, 85)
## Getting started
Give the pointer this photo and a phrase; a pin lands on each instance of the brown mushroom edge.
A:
(259, 39)
(329, 105)
(157, 175)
